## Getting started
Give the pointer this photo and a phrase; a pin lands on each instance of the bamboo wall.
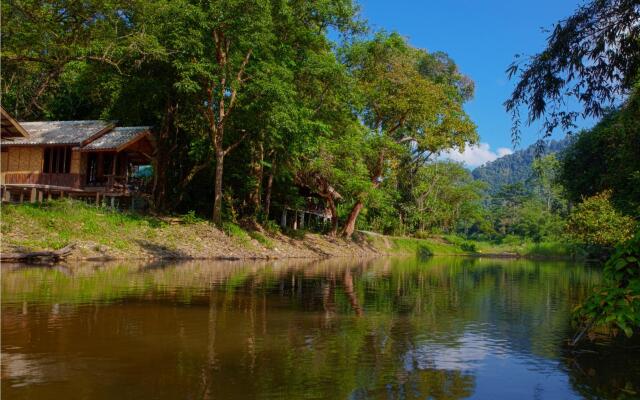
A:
(76, 162)
(24, 159)
(30, 159)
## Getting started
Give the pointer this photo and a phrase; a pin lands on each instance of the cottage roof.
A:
(118, 138)
(60, 132)
(9, 127)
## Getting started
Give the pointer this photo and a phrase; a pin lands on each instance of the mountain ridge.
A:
(516, 167)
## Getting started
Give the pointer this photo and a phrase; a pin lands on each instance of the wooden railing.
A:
(37, 178)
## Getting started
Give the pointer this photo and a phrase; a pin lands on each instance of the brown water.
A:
(444, 328)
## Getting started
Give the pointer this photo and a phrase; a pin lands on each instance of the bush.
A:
(463, 244)
(596, 222)
(271, 226)
(190, 218)
(468, 246)
(615, 306)
(423, 251)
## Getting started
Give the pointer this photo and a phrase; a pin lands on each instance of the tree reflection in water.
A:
(384, 329)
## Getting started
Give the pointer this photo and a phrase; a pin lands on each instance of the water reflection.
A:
(444, 328)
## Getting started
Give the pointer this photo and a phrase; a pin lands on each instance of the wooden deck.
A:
(38, 187)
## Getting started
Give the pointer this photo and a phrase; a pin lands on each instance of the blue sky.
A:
(482, 37)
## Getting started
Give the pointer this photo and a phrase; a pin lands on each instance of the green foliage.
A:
(606, 158)
(262, 239)
(271, 227)
(236, 232)
(615, 306)
(297, 234)
(61, 222)
(591, 58)
(424, 252)
(596, 222)
(465, 245)
(190, 218)
(444, 197)
(410, 101)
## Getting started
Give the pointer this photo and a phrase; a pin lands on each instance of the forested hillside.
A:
(515, 167)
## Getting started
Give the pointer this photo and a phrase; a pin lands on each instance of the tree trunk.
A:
(257, 157)
(350, 225)
(267, 196)
(217, 194)
(162, 158)
(334, 216)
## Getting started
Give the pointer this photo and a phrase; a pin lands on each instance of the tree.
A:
(408, 98)
(592, 57)
(43, 42)
(545, 177)
(443, 196)
(596, 222)
(606, 158)
(214, 72)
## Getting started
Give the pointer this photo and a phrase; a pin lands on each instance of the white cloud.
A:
(474, 156)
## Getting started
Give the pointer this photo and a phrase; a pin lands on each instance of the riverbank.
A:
(99, 233)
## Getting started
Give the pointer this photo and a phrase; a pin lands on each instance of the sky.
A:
(482, 36)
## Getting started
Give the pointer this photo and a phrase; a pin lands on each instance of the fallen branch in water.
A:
(38, 257)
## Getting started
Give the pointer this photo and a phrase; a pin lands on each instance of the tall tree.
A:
(409, 98)
(43, 41)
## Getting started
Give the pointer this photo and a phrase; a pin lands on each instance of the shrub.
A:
(615, 306)
(463, 244)
(468, 246)
(190, 218)
(596, 222)
(271, 226)
(511, 239)
(423, 251)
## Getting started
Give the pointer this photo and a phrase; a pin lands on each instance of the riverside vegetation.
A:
(103, 233)
(260, 105)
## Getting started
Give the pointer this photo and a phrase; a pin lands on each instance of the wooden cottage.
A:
(72, 158)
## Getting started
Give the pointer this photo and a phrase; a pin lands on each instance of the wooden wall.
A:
(24, 159)
(76, 164)
(4, 160)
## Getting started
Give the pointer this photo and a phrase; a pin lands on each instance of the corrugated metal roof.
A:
(59, 132)
(116, 138)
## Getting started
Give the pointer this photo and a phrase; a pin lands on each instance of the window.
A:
(57, 160)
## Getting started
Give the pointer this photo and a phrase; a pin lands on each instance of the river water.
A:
(390, 328)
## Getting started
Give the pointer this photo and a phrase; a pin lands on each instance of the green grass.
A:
(409, 245)
(530, 249)
(55, 224)
(262, 239)
(455, 245)
(237, 232)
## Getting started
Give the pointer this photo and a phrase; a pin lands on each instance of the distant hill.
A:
(515, 167)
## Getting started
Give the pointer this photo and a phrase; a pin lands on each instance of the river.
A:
(389, 328)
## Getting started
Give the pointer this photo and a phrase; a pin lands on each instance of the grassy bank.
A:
(454, 245)
(103, 233)
(519, 248)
